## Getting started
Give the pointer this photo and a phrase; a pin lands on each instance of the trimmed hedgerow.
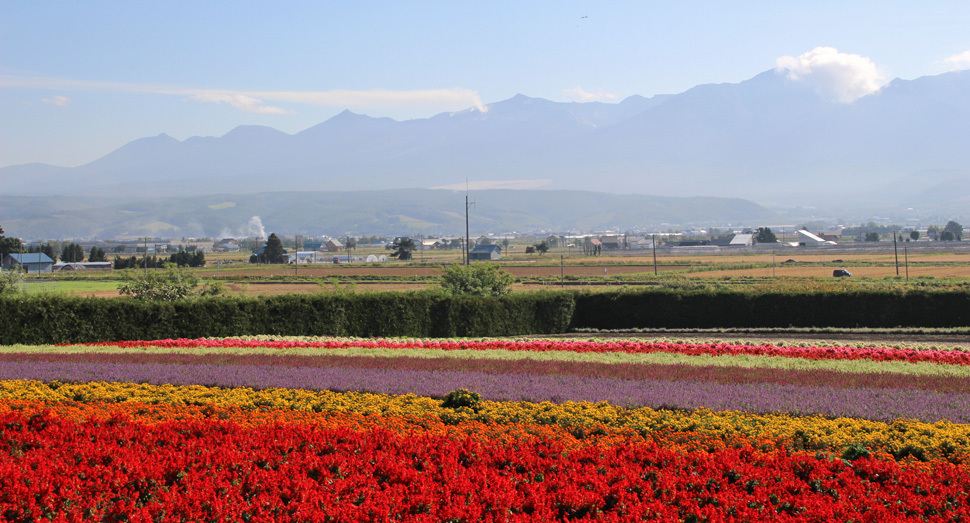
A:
(712, 309)
(61, 319)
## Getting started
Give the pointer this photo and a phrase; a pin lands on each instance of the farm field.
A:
(287, 429)
(593, 273)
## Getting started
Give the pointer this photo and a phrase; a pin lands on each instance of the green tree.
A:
(403, 248)
(97, 255)
(350, 243)
(764, 235)
(542, 247)
(11, 280)
(947, 236)
(480, 279)
(914, 235)
(955, 228)
(274, 251)
(9, 245)
(171, 286)
(72, 253)
(933, 232)
(872, 236)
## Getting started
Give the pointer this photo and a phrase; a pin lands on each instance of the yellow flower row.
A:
(941, 439)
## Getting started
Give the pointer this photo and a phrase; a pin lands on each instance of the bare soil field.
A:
(934, 258)
(399, 271)
(826, 272)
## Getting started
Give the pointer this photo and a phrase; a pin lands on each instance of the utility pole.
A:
(562, 272)
(467, 237)
(296, 249)
(896, 251)
(653, 240)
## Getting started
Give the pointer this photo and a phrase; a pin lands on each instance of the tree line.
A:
(179, 259)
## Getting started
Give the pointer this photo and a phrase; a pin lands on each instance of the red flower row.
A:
(59, 470)
(950, 357)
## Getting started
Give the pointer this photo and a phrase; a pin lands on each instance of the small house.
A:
(485, 253)
(807, 239)
(34, 262)
(611, 242)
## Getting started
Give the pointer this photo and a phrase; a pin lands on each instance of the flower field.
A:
(273, 429)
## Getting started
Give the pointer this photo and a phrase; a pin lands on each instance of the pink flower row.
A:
(949, 357)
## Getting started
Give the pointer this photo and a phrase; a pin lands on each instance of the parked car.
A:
(839, 273)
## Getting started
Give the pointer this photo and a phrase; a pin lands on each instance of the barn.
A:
(34, 262)
(485, 253)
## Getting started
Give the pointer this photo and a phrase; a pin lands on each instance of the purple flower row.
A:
(874, 404)
(625, 371)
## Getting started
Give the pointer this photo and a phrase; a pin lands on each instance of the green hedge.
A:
(726, 308)
(60, 319)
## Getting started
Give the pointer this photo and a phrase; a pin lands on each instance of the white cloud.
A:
(379, 98)
(841, 77)
(60, 101)
(239, 101)
(959, 61)
(432, 100)
(577, 94)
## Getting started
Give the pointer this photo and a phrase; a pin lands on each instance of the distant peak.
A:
(521, 98)
(347, 114)
(253, 130)
(163, 138)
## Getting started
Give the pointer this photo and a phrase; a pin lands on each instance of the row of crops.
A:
(341, 429)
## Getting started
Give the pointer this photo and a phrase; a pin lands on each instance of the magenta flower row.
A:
(949, 357)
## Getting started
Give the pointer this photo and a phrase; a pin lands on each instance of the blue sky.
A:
(80, 79)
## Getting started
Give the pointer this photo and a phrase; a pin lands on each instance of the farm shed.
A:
(611, 242)
(84, 266)
(733, 240)
(485, 253)
(35, 262)
(807, 239)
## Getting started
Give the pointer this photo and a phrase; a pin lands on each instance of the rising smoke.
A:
(253, 229)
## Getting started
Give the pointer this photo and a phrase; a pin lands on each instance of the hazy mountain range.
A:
(769, 139)
(387, 212)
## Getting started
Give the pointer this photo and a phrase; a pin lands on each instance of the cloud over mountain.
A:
(959, 61)
(840, 77)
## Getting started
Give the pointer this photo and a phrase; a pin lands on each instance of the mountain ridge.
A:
(767, 138)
